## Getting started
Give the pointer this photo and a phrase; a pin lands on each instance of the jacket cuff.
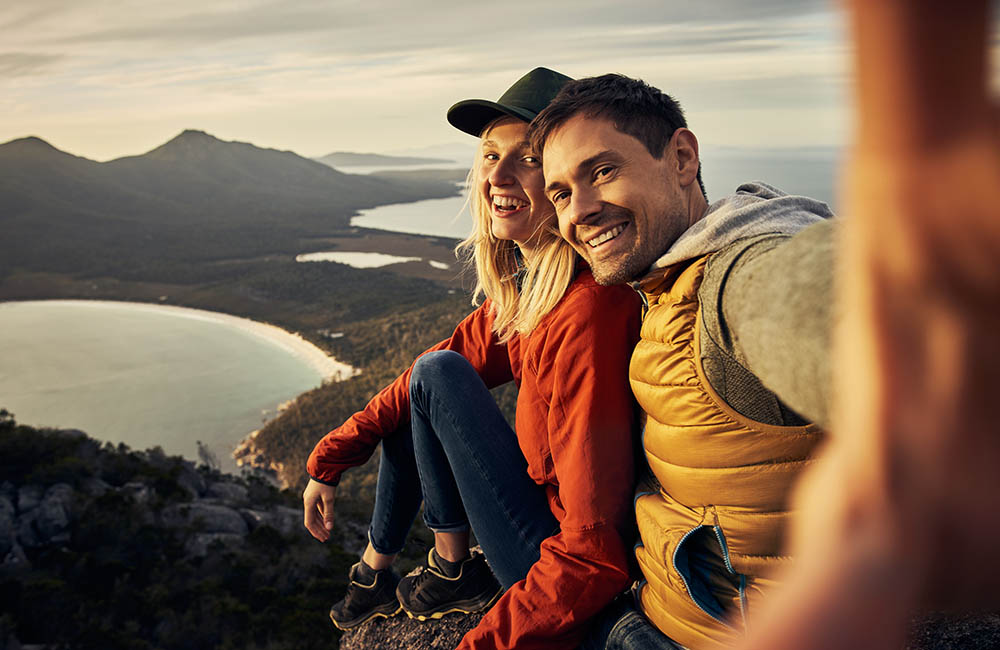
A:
(333, 483)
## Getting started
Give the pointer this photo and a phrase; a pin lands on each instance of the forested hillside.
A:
(105, 547)
(382, 347)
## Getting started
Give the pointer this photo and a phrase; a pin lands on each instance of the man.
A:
(731, 369)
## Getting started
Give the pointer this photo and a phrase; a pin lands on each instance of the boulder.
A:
(53, 514)
(198, 545)
(29, 497)
(27, 536)
(206, 518)
(8, 526)
(15, 559)
(191, 481)
(94, 487)
(227, 491)
(287, 520)
(138, 492)
(281, 518)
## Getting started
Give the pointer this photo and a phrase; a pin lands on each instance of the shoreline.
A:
(293, 343)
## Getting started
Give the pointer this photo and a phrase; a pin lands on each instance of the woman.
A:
(550, 504)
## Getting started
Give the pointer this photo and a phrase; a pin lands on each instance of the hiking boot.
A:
(432, 594)
(366, 601)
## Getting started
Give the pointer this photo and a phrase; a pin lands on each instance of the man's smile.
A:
(607, 235)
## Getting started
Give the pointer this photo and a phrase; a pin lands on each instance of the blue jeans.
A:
(461, 458)
(621, 626)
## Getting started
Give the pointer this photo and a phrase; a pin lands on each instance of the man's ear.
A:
(685, 148)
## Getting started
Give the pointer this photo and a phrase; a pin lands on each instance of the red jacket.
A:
(575, 425)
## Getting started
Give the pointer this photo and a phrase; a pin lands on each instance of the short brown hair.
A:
(633, 106)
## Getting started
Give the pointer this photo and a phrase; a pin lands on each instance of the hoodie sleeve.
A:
(767, 306)
(353, 443)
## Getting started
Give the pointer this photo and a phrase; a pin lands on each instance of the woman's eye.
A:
(532, 160)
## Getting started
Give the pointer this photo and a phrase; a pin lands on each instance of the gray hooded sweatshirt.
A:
(766, 301)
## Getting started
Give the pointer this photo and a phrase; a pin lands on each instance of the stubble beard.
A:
(609, 273)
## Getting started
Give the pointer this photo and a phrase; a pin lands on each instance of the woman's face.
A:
(511, 184)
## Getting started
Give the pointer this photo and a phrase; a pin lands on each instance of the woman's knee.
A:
(439, 366)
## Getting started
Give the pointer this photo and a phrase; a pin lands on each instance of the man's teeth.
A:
(611, 234)
(508, 202)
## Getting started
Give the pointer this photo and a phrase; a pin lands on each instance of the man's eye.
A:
(603, 171)
(559, 197)
(533, 160)
(491, 156)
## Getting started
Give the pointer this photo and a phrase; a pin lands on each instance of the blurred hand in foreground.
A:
(899, 514)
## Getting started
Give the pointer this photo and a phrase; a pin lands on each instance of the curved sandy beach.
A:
(328, 367)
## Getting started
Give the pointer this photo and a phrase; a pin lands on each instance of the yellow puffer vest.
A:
(711, 531)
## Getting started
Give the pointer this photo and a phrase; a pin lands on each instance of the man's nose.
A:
(584, 206)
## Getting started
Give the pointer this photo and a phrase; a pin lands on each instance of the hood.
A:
(755, 209)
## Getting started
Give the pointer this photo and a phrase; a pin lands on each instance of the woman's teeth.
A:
(611, 234)
(508, 203)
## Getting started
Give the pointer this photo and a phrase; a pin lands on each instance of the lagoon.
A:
(447, 217)
(151, 375)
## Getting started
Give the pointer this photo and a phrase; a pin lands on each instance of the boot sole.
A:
(375, 613)
(464, 607)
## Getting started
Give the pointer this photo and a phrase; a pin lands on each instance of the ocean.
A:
(148, 375)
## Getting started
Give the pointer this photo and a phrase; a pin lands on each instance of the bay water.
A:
(147, 375)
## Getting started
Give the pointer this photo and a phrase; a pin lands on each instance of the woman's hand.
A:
(317, 500)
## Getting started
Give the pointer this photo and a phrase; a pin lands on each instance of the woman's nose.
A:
(502, 173)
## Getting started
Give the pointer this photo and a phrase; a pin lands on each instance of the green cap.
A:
(524, 100)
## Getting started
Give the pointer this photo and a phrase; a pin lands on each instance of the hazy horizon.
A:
(116, 78)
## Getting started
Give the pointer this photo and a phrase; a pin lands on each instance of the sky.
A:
(110, 78)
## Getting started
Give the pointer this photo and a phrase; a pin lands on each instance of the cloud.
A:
(315, 76)
(18, 64)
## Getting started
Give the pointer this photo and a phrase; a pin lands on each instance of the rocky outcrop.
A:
(249, 456)
(35, 516)
(404, 633)
(205, 518)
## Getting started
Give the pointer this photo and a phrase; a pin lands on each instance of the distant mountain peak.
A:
(35, 148)
(195, 133)
(31, 141)
(188, 143)
(191, 136)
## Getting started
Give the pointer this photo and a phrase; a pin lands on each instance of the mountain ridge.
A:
(193, 197)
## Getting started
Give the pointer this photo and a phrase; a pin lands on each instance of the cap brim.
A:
(472, 115)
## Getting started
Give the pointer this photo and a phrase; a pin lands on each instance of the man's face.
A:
(618, 206)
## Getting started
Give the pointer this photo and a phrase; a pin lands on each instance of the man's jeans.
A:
(620, 626)
(462, 459)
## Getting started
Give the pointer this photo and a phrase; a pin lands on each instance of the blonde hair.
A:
(544, 275)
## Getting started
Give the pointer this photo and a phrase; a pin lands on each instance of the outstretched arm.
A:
(898, 515)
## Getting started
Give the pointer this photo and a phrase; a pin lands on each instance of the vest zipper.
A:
(729, 565)
(687, 586)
